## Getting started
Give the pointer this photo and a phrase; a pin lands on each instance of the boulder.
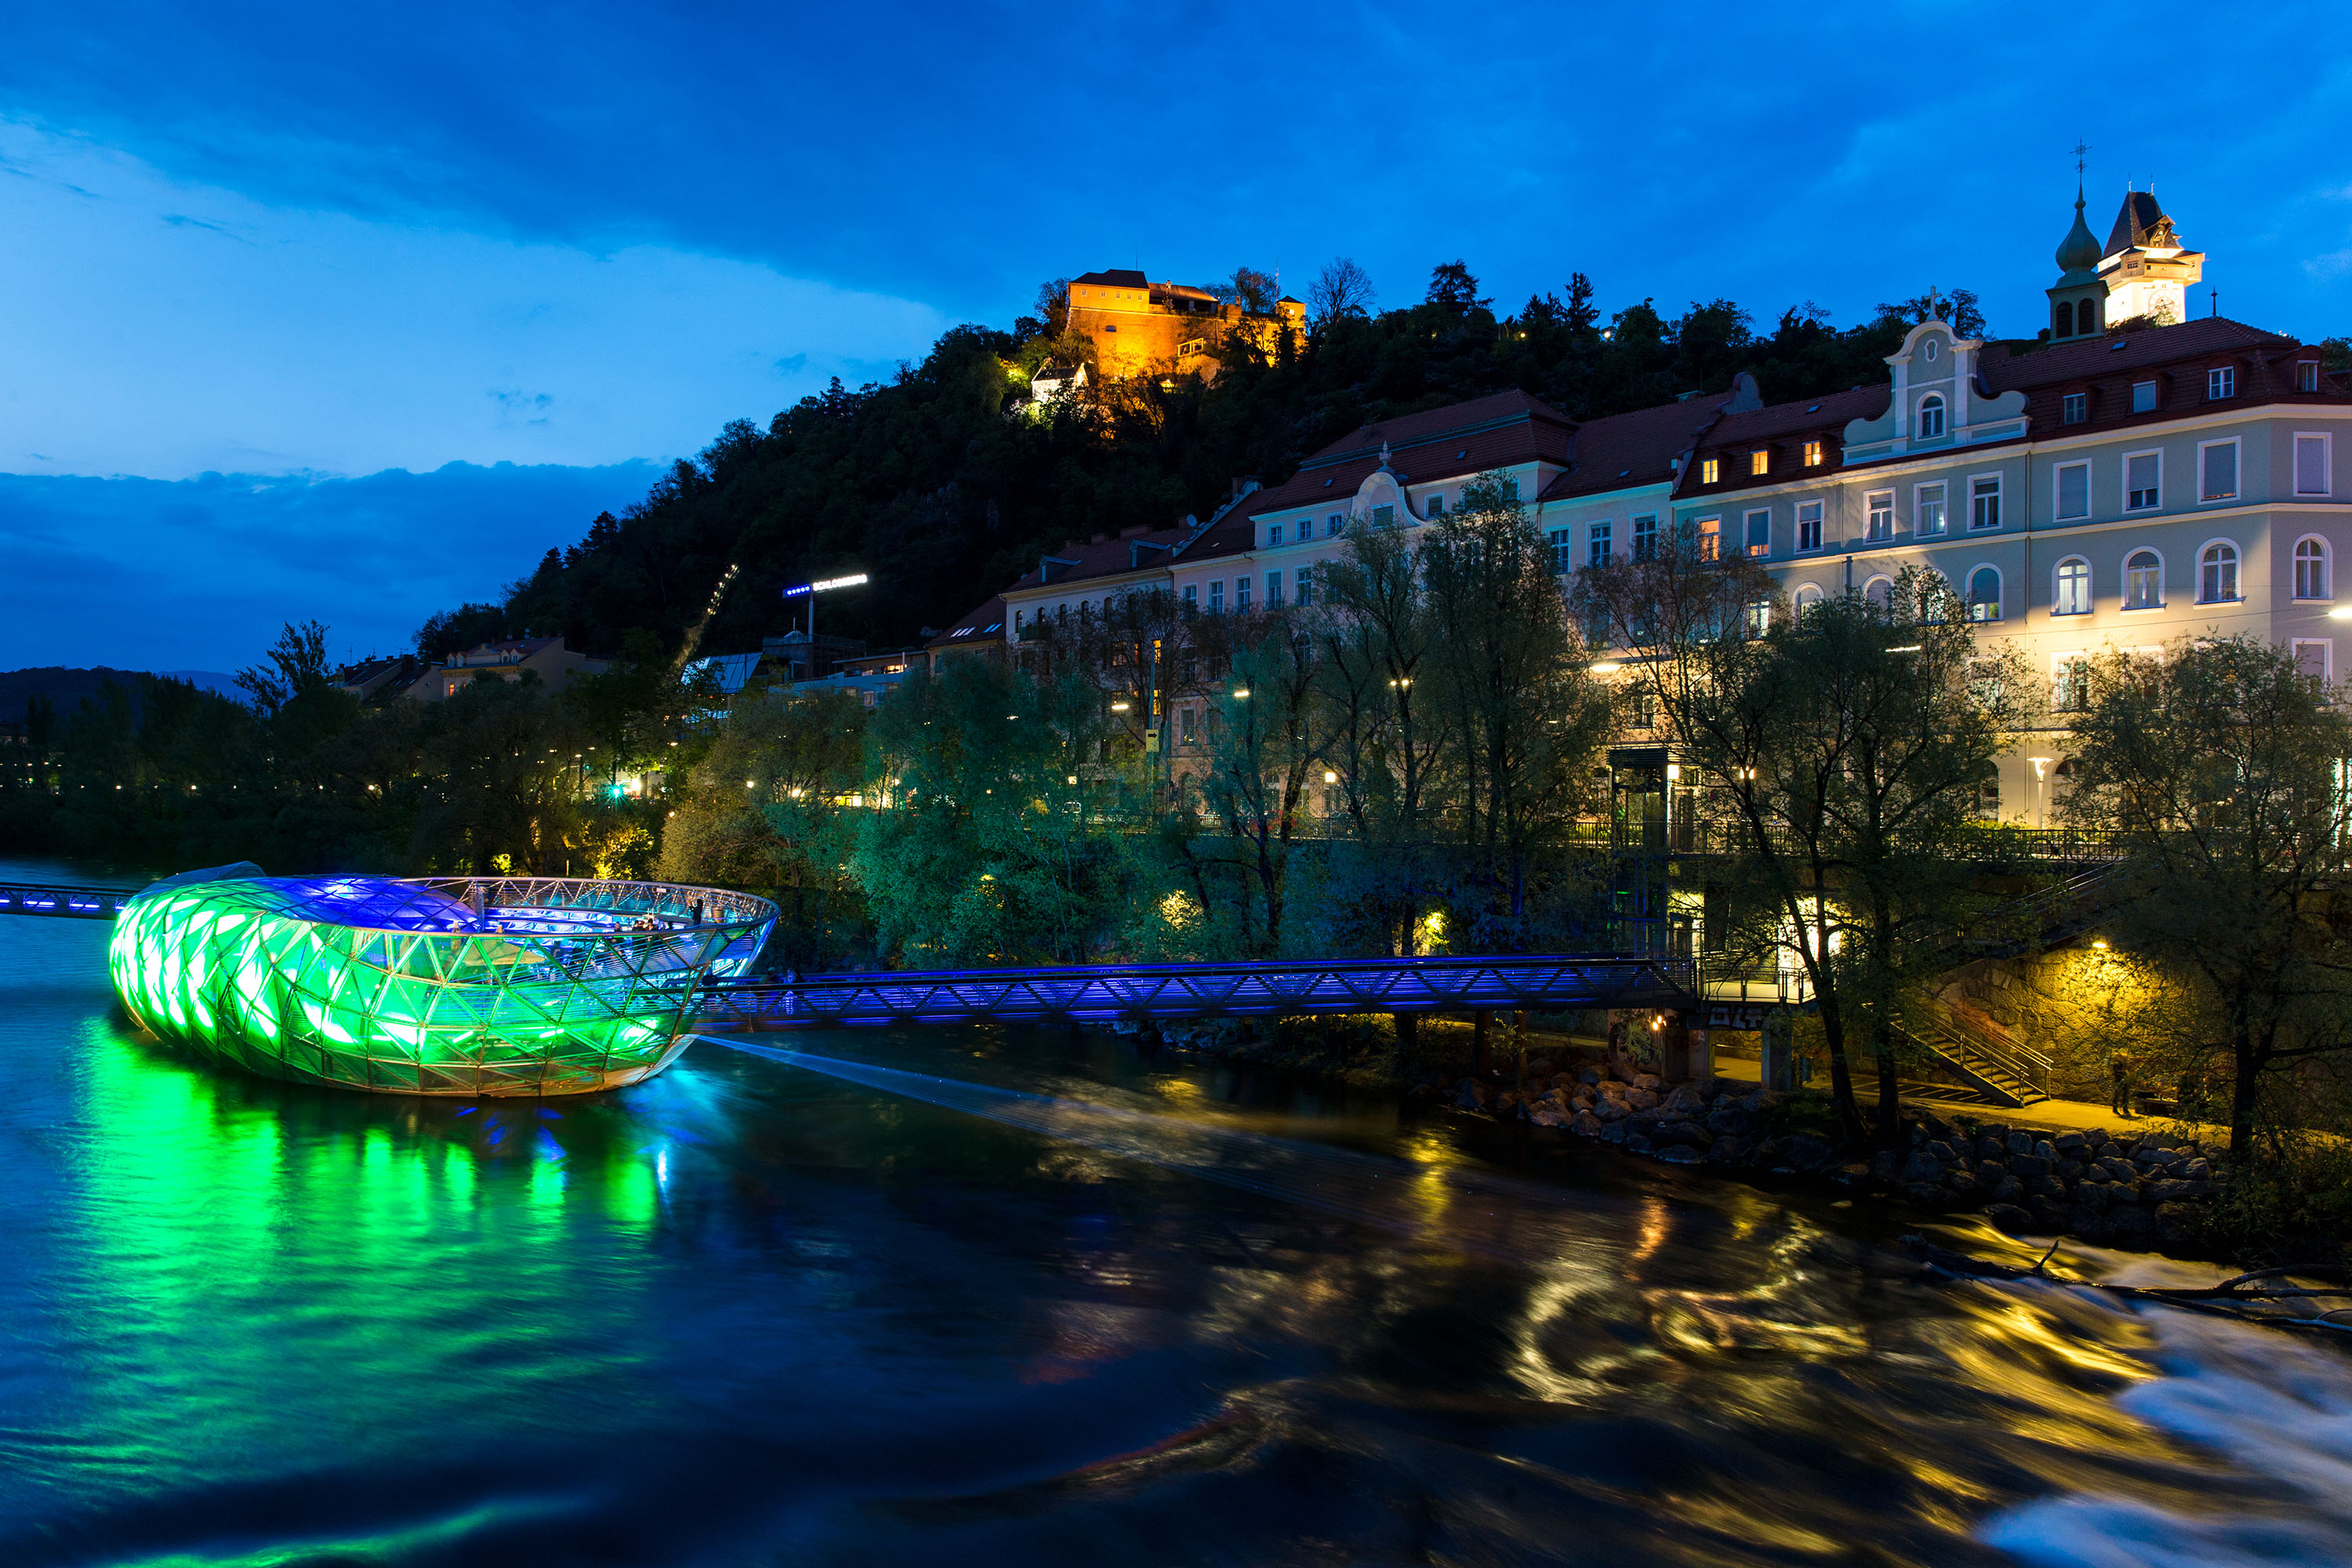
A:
(1680, 1154)
(1547, 1114)
(1473, 1096)
(1580, 1103)
(2028, 1165)
(1613, 1088)
(1686, 1100)
(1638, 1143)
(1921, 1166)
(1728, 1149)
(1584, 1124)
(2044, 1149)
(1566, 1082)
(1611, 1109)
(1612, 1133)
(1642, 1099)
(2176, 1221)
(2198, 1170)
(1689, 1135)
(2171, 1190)
(2021, 1143)
(1991, 1171)
(2008, 1217)
(1590, 1077)
(1808, 1152)
(2070, 1144)
(2045, 1187)
(2009, 1190)
(1540, 1069)
(1648, 1081)
(1944, 1152)
(1505, 1102)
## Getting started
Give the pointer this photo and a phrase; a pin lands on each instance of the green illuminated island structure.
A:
(467, 986)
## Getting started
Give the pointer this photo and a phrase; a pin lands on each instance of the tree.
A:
(1834, 762)
(2221, 769)
(1454, 291)
(1250, 289)
(1958, 307)
(1261, 744)
(1341, 289)
(469, 626)
(295, 665)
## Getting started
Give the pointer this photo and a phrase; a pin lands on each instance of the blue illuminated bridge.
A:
(1548, 983)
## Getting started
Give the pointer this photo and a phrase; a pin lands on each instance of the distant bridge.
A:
(1545, 983)
(61, 899)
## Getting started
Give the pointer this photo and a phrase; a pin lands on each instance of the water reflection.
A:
(748, 1313)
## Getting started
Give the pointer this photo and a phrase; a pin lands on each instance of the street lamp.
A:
(812, 590)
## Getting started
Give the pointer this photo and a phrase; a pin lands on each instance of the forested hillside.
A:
(941, 487)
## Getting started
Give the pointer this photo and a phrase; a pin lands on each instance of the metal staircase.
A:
(1984, 1055)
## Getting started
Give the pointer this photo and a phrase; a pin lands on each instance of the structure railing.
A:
(1544, 982)
(61, 899)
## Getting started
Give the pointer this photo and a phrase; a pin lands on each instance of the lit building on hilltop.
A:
(2142, 277)
(1140, 328)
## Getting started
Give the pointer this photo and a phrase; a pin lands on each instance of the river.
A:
(996, 1296)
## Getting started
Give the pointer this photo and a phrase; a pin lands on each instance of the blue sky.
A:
(304, 245)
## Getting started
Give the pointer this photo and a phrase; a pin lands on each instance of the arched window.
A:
(2086, 317)
(2217, 575)
(2071, 594)
(1931, 416)
(2311, 569)
(1880, 591)
(1984, 595)
(2144, 581)
(2066, 318)
(1809, 599)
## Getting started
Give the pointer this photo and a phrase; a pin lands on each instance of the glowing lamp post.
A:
(811, 590)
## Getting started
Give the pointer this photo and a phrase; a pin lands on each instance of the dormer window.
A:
(2220, 381)
(1931, 416)
(2075, 407)
(1710, 470)
(2306, 376)
(1436, 505)
(1273, 534)
(2143, 397)
(1759, 461)
(1812, 454)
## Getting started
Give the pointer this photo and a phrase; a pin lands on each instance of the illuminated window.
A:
(1759, 461)
(1710, 470)
(1927, 509)
(1984, 595)
(2217, 468)
(1710, 538)
(2144, 581)
(2217, 575)
(1812, 454)
(1758, 532)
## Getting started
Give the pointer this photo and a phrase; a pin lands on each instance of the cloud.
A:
(146, 573)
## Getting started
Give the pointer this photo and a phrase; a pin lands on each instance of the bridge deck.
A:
(62, 899)
(1548, 983)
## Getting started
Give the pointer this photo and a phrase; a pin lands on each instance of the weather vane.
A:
(2080, 149)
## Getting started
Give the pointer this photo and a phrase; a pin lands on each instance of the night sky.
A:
(304, 245)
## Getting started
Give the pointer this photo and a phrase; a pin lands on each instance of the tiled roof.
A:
(2004, 367)
(982, 624)
(1103, 557)
(1831, 413)
(1634, 449)
(1117, 278)
(1461, 438)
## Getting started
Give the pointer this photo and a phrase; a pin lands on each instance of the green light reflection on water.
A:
(267, 1276)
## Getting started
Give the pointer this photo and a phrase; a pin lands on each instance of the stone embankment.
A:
(2123, 1186)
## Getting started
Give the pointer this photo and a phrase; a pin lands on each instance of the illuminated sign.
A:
(829, 583)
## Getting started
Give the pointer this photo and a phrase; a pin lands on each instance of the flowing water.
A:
(982, 1298)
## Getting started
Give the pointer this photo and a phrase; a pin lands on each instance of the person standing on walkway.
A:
(2120, 1068)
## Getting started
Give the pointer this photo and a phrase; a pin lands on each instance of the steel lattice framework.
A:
(455, 986)
(57, 899)
(1549, 984)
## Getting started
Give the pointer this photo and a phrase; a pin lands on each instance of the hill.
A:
(941, 485)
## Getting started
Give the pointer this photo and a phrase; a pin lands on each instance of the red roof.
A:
(985, 624)
(1635, 449)
(1461, 438)
(1102, 556)
(2006, 367)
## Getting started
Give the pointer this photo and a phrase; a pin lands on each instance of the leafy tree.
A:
(295, 666)
(452, 632)
(1261, 743)
(1454, 291)
(2221, 769)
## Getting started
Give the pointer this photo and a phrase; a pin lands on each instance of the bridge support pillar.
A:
(1675, 1051)
(1779, 1072)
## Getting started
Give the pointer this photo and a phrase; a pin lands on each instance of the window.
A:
(2217, 470)
(2311, 465)
(2143, 481)
(1759, 461)
(1383, 516)
(2086, 317)
(1756, 530)
(2311, 569)
(1931, 416)
(2220, 383)
(1645, 537)
(1563, 549)
(1274, 589)
(1305, 587)
(1241, 595)
(2066, 318)
(1880, 591)
(2074, 408)
(2070, 682)
(1191, 596)
(1597, 544)
(2311, 658)
(1184, 733)
(1812, 454)
(2071, 585)
(1710, 470)
(1809, 599)
(1336, 526)
(2306, 376)
(1759, 617)
(1984, 594)
(1808, 525)
(1217, 597)
(1984, 502)
(1927, 509)
(2074, 491)
(2217, 575)
(1881, 506)
(2143, 581)
(2143, 397)
(1437, 506)
(1710, 538)
(1273, 533)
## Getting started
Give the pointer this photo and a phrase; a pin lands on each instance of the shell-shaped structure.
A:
(450, 986)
